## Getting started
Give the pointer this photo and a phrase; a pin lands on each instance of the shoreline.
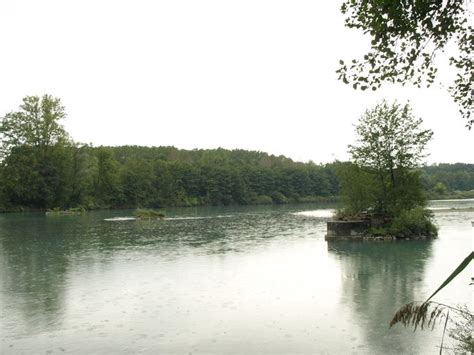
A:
(322, 200)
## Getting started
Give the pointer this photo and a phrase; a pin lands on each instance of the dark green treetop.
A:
(389, 137)
(35, 124)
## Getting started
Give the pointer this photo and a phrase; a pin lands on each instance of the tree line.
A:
(442, 179)
(132, 176)
(42, 168)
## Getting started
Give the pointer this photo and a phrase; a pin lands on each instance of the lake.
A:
(240, 280)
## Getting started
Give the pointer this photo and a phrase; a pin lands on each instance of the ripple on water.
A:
(324, 213)
(257, 277)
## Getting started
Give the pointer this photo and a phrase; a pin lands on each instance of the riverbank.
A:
(263, 201)
(439, 210)
(451, 195)
(416, 223)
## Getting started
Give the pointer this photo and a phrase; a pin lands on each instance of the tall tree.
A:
(390, 144)
(33, 154)
(35, 124)
(107, 190)
(406, 38)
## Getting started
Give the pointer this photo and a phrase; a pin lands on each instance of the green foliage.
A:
(463, 332)
(448, 180)
(379, 231)
(406, 193)
(415, 222)
(262, 200)
(406, 37)
(42, 168)
(358, 189)
(278, 198)
(148, 214)
(127, 177)
(440, 189)
(390, 144)
(106, 179)
(35, 124)
(79, 209)
(38, 172)
(389, 137)
(34, 154)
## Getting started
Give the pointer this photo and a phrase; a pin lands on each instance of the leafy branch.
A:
(406, 37)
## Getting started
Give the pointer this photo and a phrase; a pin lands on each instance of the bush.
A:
(415, 222)
(279, 198)
(358, 188)
(78, 209)
(148, 214)
(347, 213)
(263, 200)
(463, 331)
(378, 232)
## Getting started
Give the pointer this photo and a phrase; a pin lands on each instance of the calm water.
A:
(218, 280)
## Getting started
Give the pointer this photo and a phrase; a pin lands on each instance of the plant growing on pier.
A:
(390, 145)
(142, 213)
(382, 179)
(358, 189)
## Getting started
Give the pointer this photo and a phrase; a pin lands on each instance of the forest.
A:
(131, 176)
(42, 168)
(68, 175)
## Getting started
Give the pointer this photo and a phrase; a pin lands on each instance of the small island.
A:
(412, 225)
(381, 189)
(142, 213)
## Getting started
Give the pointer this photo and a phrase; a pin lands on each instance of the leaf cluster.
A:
(390, 137)
(406, 38)
(35, 124)
(418, 221)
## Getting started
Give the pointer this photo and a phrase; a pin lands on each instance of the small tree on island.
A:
(382, 179)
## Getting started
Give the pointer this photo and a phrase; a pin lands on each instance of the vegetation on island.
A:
(143, 213)
(382, 182)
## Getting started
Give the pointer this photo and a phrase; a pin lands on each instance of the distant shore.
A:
(322, 200)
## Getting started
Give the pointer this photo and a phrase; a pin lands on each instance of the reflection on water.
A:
(245, 280)
(466, 203)
(377, 279)
(33, 271)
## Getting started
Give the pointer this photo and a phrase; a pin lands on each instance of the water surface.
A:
(218, 280)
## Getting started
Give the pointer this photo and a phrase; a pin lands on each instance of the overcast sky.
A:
(256, 75)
